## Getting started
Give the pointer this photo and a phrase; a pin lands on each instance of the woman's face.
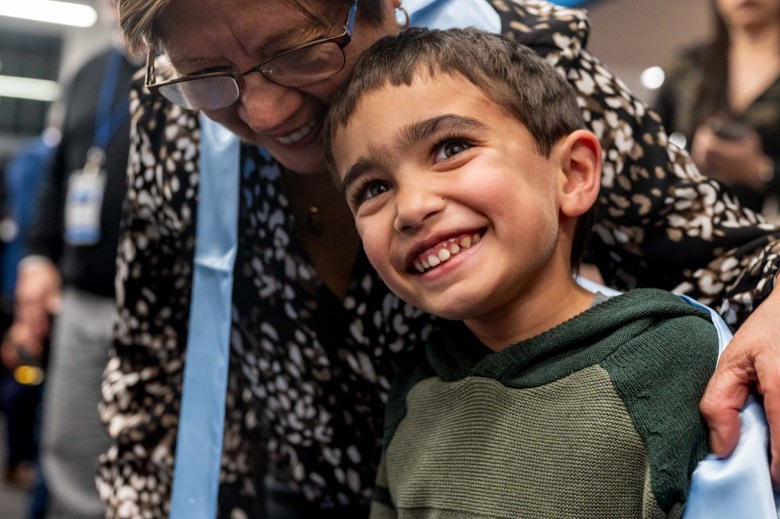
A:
(202, 34)
(748, 14)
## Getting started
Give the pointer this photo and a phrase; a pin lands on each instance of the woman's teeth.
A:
(298, 134)
(444, 251)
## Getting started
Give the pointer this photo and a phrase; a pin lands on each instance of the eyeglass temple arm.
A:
(149, 67)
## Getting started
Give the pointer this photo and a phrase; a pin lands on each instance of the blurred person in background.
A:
(20, 389)
(723, 96)
(22, 372)
(66, 282)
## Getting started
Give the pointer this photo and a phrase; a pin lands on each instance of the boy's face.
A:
(458, 212)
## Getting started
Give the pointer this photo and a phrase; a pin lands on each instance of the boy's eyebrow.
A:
(421, 130)
(357, 169)
(410, 135)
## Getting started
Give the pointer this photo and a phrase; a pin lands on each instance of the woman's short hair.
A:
(137, 18)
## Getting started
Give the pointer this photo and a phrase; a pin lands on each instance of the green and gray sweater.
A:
(597, 417)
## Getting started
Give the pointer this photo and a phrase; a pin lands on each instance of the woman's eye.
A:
(450, 148)
(209, 70)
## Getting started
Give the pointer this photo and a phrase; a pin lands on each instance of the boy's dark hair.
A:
(510, 74)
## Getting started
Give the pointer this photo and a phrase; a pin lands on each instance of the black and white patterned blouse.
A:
(309, 372)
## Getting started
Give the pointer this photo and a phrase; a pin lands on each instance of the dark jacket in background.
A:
(91, 267)
(676, 104)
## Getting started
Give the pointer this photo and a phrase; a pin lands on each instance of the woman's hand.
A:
(37, 296)
(738, 159)
(19, 341)
(750, 362)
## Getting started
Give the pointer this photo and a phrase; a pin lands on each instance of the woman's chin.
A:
(305, 159)
(302, 167)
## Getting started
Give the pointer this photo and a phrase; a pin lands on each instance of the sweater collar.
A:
(585, 339)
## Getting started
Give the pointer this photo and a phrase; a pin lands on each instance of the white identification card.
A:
(83, 203)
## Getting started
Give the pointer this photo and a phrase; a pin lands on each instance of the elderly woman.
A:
(314, 336)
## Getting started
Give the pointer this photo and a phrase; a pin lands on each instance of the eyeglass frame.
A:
(342, 40)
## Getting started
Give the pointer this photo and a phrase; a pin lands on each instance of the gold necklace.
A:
(313, 223)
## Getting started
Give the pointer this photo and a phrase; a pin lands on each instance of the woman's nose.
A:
(264, 105)
(415, 205)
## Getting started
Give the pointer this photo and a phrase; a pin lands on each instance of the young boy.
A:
(464, 160)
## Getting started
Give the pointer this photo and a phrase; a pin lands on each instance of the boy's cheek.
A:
(379, 265)
(377, 254)
(365, 236)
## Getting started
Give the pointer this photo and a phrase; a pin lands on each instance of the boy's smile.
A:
(434, 256)
(457, 210)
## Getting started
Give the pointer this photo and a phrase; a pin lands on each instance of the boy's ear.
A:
(581, 165)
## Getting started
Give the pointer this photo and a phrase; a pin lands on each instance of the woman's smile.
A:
(300, 133)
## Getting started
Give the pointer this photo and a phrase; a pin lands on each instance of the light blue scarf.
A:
(202, 416)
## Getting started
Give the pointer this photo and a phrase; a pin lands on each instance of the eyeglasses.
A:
(301, 66)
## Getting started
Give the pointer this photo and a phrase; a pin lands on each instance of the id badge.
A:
(84, 201)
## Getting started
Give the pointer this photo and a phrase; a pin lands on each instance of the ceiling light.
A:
(50, 11)
(653, 77)
(29, 88)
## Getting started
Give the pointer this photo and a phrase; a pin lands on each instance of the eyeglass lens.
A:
(300, 68)
(209, 93)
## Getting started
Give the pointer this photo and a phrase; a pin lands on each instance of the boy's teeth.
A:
(448, 249)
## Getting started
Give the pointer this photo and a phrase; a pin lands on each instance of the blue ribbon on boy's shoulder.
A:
(740, 485)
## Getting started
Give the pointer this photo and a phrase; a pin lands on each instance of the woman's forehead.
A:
(285, 14)
(318, 12)
(203, 28)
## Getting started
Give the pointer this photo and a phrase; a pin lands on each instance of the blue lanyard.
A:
(109, 119)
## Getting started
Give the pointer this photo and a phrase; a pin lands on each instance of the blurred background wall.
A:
(37, 50)
(631, 36)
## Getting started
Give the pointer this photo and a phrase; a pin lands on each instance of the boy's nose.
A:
(415, 205)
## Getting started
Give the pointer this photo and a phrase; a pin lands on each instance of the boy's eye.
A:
(375, 189)
(368, 190)
(450, 148)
